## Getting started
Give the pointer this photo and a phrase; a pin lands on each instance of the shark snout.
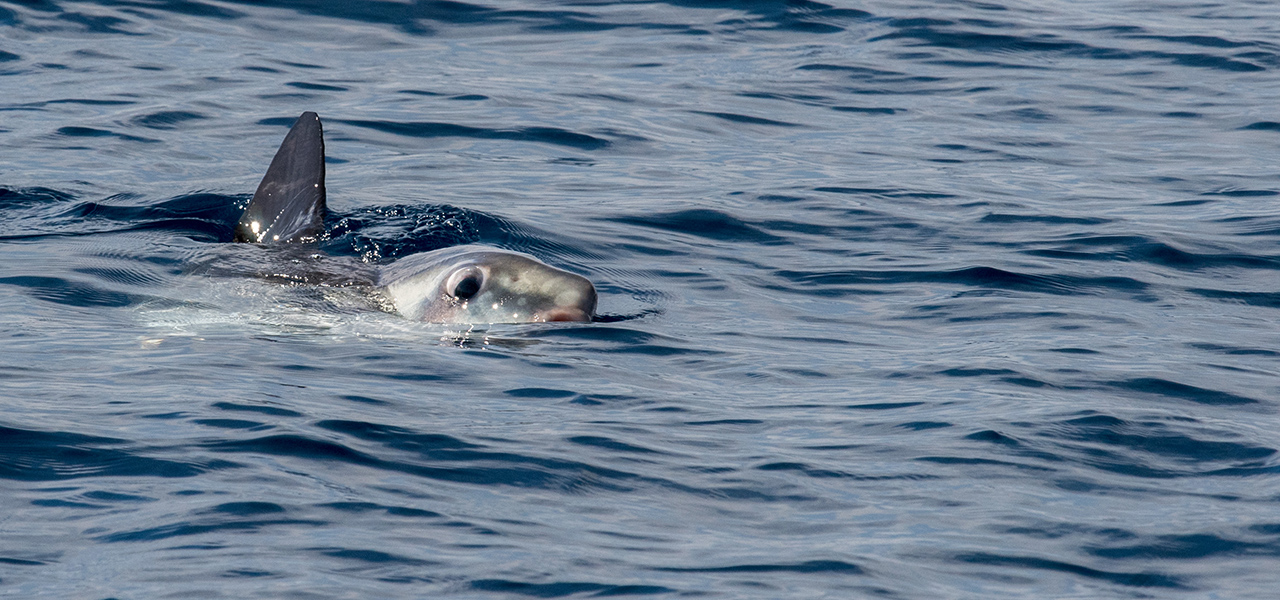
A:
(577, 305)
(571, 313)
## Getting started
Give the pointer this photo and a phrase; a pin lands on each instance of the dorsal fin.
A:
(289, 204)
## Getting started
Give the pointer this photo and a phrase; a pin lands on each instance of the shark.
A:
(468, 284)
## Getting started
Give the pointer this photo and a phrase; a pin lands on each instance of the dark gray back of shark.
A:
(289, 205)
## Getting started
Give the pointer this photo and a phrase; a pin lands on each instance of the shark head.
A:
(475, 284)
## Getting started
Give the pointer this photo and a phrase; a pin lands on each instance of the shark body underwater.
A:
(462, 284)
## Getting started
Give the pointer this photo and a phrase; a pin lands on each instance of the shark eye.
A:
(465, 283)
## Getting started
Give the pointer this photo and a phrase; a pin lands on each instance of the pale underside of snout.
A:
(474, 284)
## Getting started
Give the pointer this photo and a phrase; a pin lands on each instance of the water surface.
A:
(924, 300)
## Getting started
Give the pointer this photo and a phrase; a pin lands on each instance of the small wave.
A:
(1149, 449)
(316, 87)
(841, 283)
(372, 556)
(940, 34)
(543, 135)
(212, 525)
(886, 192)
(490, 468)
(1262, 126)
(1181, 391)
(1045, 219)
(811, 566)
(824, 473)
(398, 511)
(869, 110)
(90, 132)
(606, 443)
(75, 293)
(1264, 299)
(274, 411)
(32, 455)
(199, 216)
(704, 223)
(747, 120)
(24, 197)
(1194, 546)
(566, 588)
(166, 119)
(1137, 248)
(1144, 579)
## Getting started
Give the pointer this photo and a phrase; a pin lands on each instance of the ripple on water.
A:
(916, 301)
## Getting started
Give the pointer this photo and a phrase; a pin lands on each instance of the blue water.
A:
(904, 300)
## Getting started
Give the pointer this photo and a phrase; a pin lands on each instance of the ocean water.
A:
(935, 299)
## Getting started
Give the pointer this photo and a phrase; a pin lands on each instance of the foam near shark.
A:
(462, 284)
